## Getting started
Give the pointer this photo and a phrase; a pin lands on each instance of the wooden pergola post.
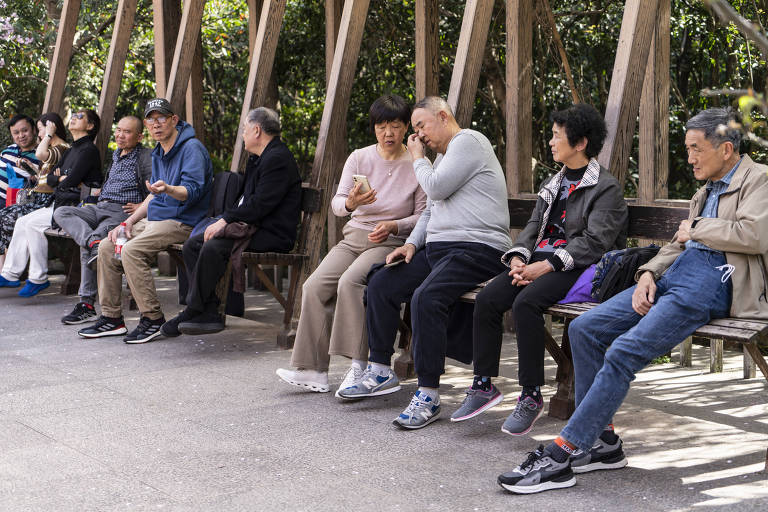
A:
(469, 58)
(333, 10)
(654, 114)
(62, 54)
(427, 48)
(263, 57)
(166, 16)
(621, 112)
(113, 72)
(194, 96)
(325, 168)
(184, 54)
(519, 105)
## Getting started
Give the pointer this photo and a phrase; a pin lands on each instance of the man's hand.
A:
(158, 187)
(403, 252)
(684, 231)
(214, 229)
(415, 146)
(645, 293)
(129, 208)
(531, 272)
(382, 230)
(357, 198)
(112, 235)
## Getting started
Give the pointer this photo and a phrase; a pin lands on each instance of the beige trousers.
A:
(332, 320)
(148, 238)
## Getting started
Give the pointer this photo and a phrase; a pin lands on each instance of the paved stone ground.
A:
(197, 423)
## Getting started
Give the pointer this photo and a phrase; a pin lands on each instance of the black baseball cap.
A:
(158, 105)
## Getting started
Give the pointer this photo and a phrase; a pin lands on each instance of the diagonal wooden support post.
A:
(62, 54)
(325, 168)
(427, 46)
(621, 112)
(184, 54)
(194, 96)
(519, 106)
(469, 58)
(166, 16)
(113, 73)
(263, 56)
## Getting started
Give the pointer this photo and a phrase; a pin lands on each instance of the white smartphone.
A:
(362, 178)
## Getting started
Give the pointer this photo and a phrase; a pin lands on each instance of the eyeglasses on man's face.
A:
(161, 120)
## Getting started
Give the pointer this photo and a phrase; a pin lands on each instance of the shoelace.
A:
(521, 405)
(415, 402)
(532, 458)
(727, 270)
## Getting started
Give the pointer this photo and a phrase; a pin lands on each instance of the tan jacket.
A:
(740, 231)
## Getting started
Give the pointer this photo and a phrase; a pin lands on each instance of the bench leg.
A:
(750, 368)
(71, 262)
(758, 358)
(715, 356)
(686, 352)
(403, 366)
(562, 404)
(286, 338)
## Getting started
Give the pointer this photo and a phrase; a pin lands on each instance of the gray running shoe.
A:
(526, 412)
(353, 377)
(371, 384)
(539, 472)
(601, 456)
(476, 402)
(420, 412)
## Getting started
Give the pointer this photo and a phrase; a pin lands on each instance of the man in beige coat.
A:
(719, 253)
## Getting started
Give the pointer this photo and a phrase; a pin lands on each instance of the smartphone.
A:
(394, 263)
(362, 178)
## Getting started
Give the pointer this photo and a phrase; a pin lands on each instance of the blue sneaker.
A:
(5, 283)
(371, 384)
(31, 289)
(420, 412)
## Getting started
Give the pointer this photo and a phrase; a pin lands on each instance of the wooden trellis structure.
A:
(639, 84)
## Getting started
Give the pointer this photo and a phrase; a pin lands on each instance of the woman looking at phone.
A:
(332, 320)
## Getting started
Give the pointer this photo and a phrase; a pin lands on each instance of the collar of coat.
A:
(550, 190)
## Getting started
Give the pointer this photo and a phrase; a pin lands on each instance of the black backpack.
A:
(616, 270)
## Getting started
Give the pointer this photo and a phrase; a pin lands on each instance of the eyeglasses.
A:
(161, 120)
(78, 115)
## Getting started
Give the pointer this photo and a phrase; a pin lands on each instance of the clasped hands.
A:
(523, 274)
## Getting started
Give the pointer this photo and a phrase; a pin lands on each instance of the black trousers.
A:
(528, 304)
(433, 281)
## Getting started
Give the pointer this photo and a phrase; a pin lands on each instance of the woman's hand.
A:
(50, 128)
(382, 230)
(355, 198)
(529, 273)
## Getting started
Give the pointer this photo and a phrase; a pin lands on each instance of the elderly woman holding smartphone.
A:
(379, 191)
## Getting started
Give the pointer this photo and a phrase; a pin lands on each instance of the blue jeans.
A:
(611, 342)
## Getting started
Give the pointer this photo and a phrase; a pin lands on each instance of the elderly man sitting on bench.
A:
(722, 247)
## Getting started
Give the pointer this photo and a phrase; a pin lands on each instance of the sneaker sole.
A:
(144, 340)
(81, 321)
(495, 401)
(544, 486)
(304, 385)
(596, 466)
(170, 334)
(375, 393)
(526, 430)
(434, 418)
(116, 332)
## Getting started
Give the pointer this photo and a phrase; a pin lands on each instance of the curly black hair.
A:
(582, 120)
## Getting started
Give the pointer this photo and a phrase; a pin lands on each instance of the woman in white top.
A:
(332, 320)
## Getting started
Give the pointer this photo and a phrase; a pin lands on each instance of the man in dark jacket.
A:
(270, 206)
(178, 199)
(123, 192)
(580, 214)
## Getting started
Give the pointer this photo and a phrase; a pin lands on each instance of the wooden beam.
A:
(654, 114)
(519, 105)
(560, 49)
(166, 16)
(333, 10)
(621, 111)
(113, 72)
(325, 168)
(427, 48)
(260, 70)
(254, 14)
(184, 54)
(62, 54)
(469, 57)
(194, 96)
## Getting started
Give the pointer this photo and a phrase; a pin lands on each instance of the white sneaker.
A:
(353, 377)
(309, 379)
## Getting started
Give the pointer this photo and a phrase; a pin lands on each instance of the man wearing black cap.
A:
(180, 191)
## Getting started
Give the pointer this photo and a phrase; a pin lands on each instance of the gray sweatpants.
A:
(86, 224)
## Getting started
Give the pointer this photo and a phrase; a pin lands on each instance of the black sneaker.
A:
(601, 456)
(204, 323)
(147, 330)
(82, 313)
(170, 329)
(104, 326)
(539, 472)
(93, 255)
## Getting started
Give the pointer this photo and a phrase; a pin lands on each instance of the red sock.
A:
(565, 445)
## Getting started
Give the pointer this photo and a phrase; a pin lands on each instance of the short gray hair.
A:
(434, 104)
(718, 124)
(266, 118)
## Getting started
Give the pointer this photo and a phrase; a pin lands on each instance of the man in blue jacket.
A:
(180, 191)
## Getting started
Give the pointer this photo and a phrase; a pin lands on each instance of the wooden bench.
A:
(68, 252)
(294, 260)
(645, 222)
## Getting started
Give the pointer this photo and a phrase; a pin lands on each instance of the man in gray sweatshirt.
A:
(456, 244)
